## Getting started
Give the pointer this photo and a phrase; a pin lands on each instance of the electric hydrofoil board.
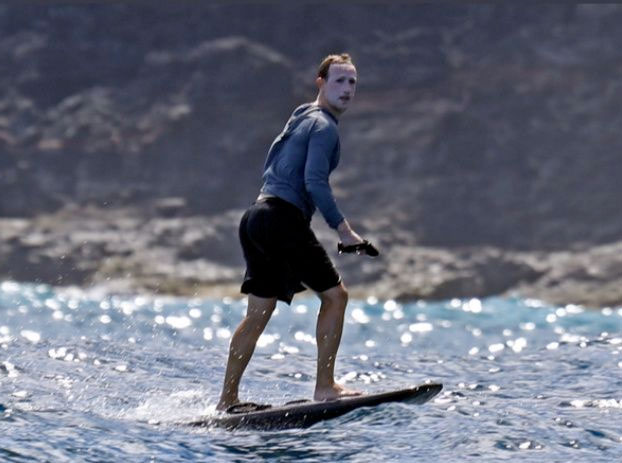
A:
(303, 413)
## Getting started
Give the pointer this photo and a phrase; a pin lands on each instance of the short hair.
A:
(343, 58)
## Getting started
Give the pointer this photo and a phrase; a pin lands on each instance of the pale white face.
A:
(338, 89)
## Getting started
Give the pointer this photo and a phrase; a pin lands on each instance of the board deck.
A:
(302, 414)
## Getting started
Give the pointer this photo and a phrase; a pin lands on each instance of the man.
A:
(281, 252)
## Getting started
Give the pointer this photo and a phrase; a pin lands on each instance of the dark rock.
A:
(481, 151)
(170, 207)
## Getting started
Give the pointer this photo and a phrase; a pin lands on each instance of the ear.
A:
(319, 82)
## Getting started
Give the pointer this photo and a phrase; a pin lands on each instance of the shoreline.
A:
(199, 256)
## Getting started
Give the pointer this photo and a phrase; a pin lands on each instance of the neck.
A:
(321, 102)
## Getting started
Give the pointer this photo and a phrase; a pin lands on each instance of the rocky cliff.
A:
(480, 152)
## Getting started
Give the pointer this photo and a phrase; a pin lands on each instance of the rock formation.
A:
(479, 153)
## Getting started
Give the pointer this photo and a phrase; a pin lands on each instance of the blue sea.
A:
(86, 376)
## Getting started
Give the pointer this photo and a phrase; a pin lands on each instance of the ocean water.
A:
(91, 377)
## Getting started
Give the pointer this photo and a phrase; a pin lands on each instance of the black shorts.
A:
(282, 254)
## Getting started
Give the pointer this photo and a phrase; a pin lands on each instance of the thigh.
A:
(266, 235)
(261, 277)
(311, 264)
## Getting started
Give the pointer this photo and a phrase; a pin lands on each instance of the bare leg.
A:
(329, 329)
(242, 346)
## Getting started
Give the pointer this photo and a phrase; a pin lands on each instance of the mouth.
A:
(344, 99)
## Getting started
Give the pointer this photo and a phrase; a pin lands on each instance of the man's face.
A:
(339, 86)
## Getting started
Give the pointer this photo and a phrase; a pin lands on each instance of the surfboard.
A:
(302, 414)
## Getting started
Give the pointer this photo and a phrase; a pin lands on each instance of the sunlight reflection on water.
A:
(101, 367)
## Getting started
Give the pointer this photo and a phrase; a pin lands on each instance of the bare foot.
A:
(224, 405)
(333, 392)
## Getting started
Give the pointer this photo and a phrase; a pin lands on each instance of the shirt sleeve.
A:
(323, 142)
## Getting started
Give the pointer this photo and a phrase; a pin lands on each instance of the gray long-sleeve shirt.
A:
(300, 161)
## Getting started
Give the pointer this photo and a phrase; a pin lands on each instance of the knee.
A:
(258, 314)
(337, 296)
